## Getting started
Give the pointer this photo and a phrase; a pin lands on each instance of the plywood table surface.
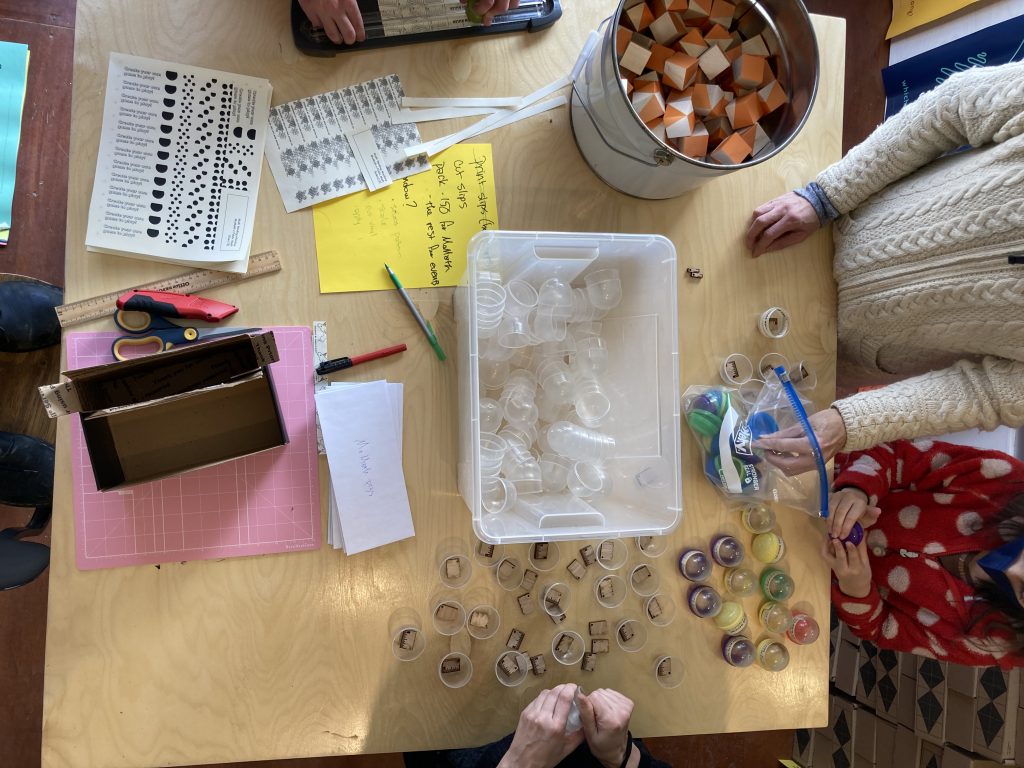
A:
(289, 655)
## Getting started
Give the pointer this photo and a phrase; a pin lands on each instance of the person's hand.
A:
(850, 565)
(790, 450)
(540, 740)
(341, 20)
(605, 717)
(846, 507)
(780, 223)
(488, 9)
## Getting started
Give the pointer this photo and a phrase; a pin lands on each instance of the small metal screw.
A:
(694, 272)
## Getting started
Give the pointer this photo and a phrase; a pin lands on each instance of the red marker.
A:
(341, 363)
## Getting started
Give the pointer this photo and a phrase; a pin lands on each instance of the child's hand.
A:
(846, 507)
(850, 565)
(341, 20)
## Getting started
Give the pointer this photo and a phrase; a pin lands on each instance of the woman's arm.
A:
(963, 396)
(976, 107)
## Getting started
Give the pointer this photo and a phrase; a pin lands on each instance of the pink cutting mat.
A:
(256, 505)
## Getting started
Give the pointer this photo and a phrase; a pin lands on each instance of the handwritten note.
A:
(419, 226)
(362, 434)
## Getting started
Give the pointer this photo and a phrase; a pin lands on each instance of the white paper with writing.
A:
(371, 163)
(364, 457)
(335, 533)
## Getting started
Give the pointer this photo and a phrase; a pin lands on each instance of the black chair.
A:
(26, 480)
(23, 561)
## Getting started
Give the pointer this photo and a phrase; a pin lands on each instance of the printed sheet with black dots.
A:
(325, 146)
(179, 163)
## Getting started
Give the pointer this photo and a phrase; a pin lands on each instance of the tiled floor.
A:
(37, 250)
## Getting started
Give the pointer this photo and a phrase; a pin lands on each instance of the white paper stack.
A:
(362, 428)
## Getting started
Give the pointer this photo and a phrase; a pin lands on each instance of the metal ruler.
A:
(190, 282)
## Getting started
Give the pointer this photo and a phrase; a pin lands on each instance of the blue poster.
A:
(999, 44)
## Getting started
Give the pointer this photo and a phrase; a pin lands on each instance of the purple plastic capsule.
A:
(856, 535)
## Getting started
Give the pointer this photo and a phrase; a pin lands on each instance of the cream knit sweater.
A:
(925, 286)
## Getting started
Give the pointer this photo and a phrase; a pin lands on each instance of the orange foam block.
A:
(635, 58)
(744, 111)
(639, 17)
(719, 36)
(680, 71)
(692, 43)
(718, 130)
(696, 9)
(732, 151)
(772, 97)
(657, 127)
(667, 28)
(722, 13)
(713, 62)
(623, 37)
(696, 144)
(706, 97)
(755, 46)
(648, 103)
(680, 119)
(748, 70)
(627, 85)
(659, 55)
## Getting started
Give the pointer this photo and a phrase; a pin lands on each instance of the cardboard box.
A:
(887, 670)
(846, 668)
(930, 699)
(905, 750)
(963, 680)
(864, 743)
(823, 746)
(906, 702)
(955, 758)
(803, 747)
(842, 720)
(159, 415)
(995, 714)
(929, 755)
(960, 719)
(908, 665)
(885, 744)
(846, 634)
(867, 675)
(1018, 751)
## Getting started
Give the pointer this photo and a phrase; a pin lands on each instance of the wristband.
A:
(629, 749)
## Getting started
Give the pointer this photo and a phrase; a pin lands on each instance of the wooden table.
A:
(288, 655)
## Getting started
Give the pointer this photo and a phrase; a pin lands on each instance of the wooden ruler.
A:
(190, 282)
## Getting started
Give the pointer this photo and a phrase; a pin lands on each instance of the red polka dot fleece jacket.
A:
(936, 499)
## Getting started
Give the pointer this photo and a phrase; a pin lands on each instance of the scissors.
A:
(146, 330)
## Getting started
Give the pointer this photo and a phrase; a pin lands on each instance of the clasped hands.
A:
(540, 740)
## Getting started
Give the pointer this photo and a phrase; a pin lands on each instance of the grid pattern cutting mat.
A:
(265, 503)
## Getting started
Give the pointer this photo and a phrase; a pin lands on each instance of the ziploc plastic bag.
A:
(725, 428)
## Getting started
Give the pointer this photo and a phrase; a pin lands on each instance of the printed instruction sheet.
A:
(179, 163)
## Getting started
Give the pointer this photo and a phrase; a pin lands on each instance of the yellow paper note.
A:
(419, 225)
(910, 14)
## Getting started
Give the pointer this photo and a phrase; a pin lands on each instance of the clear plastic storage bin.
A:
(603, 308)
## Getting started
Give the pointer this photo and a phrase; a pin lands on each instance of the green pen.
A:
(424, 325)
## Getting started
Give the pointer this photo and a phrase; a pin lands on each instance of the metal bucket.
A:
(624, 153)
